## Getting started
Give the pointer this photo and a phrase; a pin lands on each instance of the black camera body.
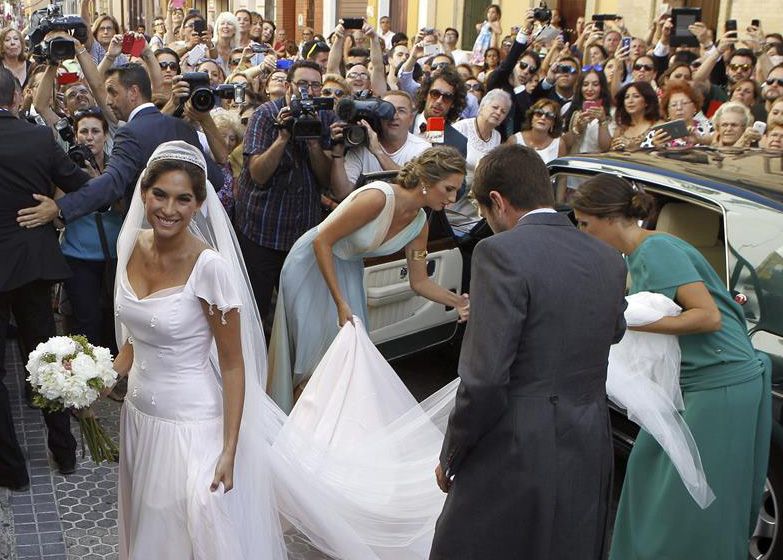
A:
(65, 129)
(305, 122)
(372, 110)
(202, 95)
(57, 49)
(81, 155)
(542, 13)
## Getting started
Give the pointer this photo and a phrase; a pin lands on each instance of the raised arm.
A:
(114, 50)
(377, 78)
(95, 81)
(85, 11)
(42, 101)
(336, 52)
(153, 68)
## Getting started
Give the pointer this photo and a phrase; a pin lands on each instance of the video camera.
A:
(80, 154)
(202, 95)
(57, 49)
(305, 122)
(372, 110)
(542, 13)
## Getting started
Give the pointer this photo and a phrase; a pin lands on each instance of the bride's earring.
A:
(424, 191)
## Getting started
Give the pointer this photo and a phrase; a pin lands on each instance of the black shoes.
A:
(16, 486)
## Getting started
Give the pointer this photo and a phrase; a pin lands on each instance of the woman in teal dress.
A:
(725, 386)
(322, 281)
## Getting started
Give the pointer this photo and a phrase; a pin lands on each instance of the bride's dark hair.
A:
(610, 195)
(432, 165)
(198, 179)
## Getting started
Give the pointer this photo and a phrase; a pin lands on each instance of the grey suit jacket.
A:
(528, 442)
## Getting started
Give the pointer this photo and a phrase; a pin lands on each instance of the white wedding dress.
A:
(351, 469)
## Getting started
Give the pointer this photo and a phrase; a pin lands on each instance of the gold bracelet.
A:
(420, 255)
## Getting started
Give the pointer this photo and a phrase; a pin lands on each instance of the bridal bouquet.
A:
(69, 372)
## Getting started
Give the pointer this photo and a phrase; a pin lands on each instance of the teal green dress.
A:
(726, 389)
(305, 321)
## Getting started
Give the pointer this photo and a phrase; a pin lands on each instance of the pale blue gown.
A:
(306, 317)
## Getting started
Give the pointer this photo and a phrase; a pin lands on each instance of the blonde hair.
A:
(228, 119)
(3, 34)
(230, 18)
(432, 165)
(732, 107)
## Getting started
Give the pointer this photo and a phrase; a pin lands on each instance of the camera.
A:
(81, 155)
(305, 122)
(202, 95)
(57, 49)
(65, 129)
(352, 111)
(542, 13)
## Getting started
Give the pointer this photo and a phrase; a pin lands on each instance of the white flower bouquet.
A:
(69, 372)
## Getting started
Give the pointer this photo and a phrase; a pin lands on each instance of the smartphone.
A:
(755, 23)
(682, 18)
(626, 43)
(676, 128)
(599, 24)
(127, 43)
(760, 127)
(284, 64)
(353, 23)
(430, 50)
(592, 104)
(436, 127)
(259, 48)
(199, 26)
(731, 25)
(178, 4)
(138, 47)
(67, 78)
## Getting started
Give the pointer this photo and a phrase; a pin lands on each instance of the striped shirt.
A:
(276, 214)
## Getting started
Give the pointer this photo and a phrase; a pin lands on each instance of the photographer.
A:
(388, 149)
(279, 195)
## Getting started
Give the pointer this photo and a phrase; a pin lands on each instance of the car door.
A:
(400, 321)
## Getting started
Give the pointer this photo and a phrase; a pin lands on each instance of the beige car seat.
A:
(698, 226)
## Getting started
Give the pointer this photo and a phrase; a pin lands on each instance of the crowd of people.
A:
(283, 132)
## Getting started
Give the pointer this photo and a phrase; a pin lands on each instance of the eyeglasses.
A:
(529, 67)
(301, 84)
(235, 61)
(476, 87)
(332, 91)
(436, 94)
(596, 67)
(773, 81)
(546, 114)
(169, 66)
(506, 44)
(680, 104)
(357, 75)
(740, 67)
(564, 69)
(88, 112)
(645, 67)
(105, 28)
(74, 91)
(729, 125)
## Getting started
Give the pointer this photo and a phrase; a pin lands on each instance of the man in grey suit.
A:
(527, 457)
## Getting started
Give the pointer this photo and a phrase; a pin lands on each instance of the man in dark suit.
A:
(527, 456)
(30, 161)
(129, 93)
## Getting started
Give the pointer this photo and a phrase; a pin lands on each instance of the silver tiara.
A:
(179, 151)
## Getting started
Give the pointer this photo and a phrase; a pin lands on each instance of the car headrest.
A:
(696, 225)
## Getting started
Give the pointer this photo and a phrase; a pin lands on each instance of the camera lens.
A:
(355, 135)
(202, 99)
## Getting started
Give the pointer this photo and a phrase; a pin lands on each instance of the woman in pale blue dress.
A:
(322, 281)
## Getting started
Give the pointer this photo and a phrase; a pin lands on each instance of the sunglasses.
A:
(235, 61)
(476, 87)
(546, 114)
(329, 91)
(564, 69)
(169, 66)
(88, 112)
(436, 94)
(506, 44)
(645, 67)
(738, 67)
(773, 81)
(596, 67)
(525, 66)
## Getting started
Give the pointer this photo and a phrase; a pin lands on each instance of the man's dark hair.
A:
(452, 29)
(450, 75)
(133, 75)
(499, 171)
(9, 85)
(399, 37)
(358, 51)
(166, 50)
(249, 14)
(302, 64)
(746, 53)
(312, 48)
(686, 57)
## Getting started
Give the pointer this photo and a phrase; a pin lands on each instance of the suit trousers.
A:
(88, 291)
(31, 307)
(263, 268)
